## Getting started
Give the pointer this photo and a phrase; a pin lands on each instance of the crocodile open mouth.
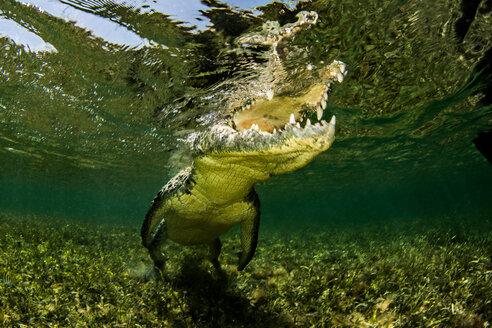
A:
(274, 114)
(280, 124)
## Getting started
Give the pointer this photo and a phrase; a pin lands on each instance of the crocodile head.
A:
(274, 135)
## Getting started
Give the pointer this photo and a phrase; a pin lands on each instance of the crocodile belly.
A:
(204, 227)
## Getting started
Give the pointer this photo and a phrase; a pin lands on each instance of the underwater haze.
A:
(390, 227)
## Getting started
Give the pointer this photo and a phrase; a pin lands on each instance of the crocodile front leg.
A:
(155, 246)
(249, 233)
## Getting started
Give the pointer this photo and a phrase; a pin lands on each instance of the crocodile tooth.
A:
(325, 96)
(274, 131)
(343, 67)
(308, 122)
(317, 124)
(298, 125)
(340, 77)
(333, 120)
(292, 119)
(323, 123)
(323, 103)
(319, 112)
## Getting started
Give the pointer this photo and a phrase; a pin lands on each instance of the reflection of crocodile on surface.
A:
(269, 133)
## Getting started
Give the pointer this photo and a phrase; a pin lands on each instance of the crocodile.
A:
(269, 135)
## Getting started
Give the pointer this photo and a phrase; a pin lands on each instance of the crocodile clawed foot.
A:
(160, 275)
(156, 272)
(150, 274)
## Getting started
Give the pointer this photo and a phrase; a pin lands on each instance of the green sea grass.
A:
(420, 273)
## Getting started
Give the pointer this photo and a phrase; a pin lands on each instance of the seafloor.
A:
(420, 273)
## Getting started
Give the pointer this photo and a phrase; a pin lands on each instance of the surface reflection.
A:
(118, 86)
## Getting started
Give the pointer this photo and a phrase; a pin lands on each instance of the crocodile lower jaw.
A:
(293, 129)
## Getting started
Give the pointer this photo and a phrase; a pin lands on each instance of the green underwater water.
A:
(92, 129)
(90, 132)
